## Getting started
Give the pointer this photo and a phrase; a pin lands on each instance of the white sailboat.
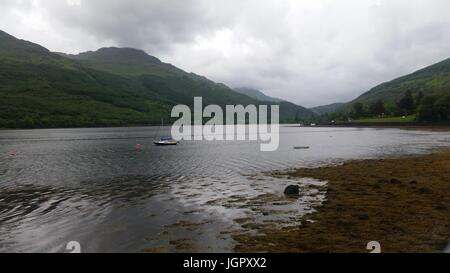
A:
(165, 141)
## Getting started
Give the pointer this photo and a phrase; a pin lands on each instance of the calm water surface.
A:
(92, 186)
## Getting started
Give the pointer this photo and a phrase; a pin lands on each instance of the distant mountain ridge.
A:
(164, 80)
(325, 109)
(286, 108)
(125, 61)
(107, 87)
(256, 94)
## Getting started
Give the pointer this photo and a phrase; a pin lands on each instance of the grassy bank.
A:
(441, 126)
(404, 203)
(411, 118)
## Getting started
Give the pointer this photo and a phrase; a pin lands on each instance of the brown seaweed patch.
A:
(403, 203)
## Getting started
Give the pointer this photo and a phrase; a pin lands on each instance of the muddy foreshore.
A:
(403, 203)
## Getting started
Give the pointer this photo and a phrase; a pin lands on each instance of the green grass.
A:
(411, 118)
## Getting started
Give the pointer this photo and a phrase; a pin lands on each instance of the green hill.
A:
(163, 80)
(256, 94)
(108, 87)
(126, 61)
(418, 92)
(42, 89)
(432, 80)
(290, 112)
(293, 113)
(324, 109)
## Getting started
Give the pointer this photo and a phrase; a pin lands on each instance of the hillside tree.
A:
(377, 108)
(406, 103)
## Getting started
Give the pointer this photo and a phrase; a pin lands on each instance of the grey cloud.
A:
(311, 52)
(152, 25)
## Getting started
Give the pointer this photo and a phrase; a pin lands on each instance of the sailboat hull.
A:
(165, 143)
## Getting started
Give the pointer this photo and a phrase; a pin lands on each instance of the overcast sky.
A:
(310, 52)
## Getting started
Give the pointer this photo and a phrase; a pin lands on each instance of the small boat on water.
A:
(166, 141)
(301, 147)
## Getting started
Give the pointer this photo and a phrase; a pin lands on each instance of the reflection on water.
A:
(92, 186)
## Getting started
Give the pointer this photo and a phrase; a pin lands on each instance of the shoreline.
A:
(401, 202)
(398, 125)
(418, 124)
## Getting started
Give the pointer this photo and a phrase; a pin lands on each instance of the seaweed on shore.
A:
(403, 203)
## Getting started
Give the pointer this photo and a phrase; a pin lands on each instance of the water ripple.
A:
(91, 185)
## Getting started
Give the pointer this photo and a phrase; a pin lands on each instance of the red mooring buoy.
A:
(138, 147)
